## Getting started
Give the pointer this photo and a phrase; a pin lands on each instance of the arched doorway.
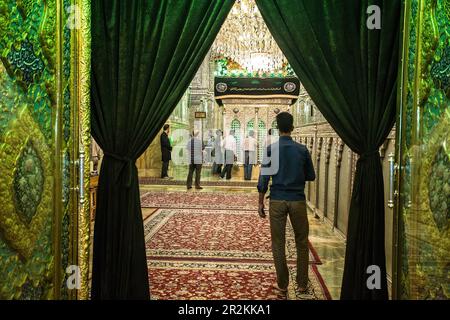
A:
(262, 134)
(274, 127)
(236, 126)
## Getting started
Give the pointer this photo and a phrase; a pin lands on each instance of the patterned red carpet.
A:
(163, 182)
(213, 234)
(200, 200)
(215, 253)
(192, 280)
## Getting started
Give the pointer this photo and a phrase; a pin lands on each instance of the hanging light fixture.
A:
(245, 39)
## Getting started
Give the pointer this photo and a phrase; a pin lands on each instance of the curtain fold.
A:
(144, 56)
(350, 72)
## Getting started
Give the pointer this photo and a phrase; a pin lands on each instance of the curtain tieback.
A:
(127, 167)
(369, 154)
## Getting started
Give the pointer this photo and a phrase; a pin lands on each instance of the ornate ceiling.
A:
(246, 42)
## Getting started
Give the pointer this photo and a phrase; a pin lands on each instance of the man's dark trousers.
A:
(165, 168)
(229, 160)
(198, 170)
(279, 210)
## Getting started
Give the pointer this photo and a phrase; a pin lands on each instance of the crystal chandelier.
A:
(245, 39)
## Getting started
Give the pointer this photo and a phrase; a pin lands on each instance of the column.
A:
(223, 119)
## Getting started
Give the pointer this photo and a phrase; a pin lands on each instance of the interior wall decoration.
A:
(274, 128)
(236, 126)
(28, 90)
(257, 88)
(81, 93)
(67, 151)
(423, 153)
(39, 80)
(226, 67)
(262, 134)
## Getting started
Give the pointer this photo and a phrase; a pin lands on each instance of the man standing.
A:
(250, 146)
(230, 152)
(166, 150)
(287, 198)
(195, 153)
(218, 154)
(209, 147)
(270, 138)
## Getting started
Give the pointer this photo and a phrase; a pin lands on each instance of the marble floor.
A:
(329, 246)
(331, 250)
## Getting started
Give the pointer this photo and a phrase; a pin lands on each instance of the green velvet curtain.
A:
(144, 55)
(350, 72)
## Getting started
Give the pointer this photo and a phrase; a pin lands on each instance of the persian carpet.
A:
(202, 280)
(215, 235)
(200, 200)
(163, 182)
(214, 253)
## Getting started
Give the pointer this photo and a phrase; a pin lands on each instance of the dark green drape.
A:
(144, 55)
(350, 73)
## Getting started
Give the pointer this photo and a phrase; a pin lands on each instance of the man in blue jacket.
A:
(287, 198)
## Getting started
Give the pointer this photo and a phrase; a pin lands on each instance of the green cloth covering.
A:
(350, 72)
(144, 56)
